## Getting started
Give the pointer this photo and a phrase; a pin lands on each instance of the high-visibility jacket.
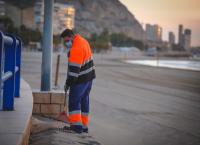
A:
(80, 62)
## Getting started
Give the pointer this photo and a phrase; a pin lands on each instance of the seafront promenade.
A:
(134, 104)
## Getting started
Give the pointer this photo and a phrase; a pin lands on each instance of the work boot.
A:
(76, 128)
(85, 129)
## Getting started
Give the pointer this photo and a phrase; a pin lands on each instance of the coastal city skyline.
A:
(168, 14)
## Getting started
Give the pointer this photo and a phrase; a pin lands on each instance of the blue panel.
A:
(7, 76)
(1, 63)
(9, 65)
(18, 64)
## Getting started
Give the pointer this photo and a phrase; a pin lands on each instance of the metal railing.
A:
(10, 60)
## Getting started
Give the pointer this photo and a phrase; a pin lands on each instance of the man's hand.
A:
(66, 87)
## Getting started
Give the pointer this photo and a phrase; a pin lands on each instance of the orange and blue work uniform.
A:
(81, 72)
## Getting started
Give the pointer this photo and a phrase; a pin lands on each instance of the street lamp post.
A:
(47, 44)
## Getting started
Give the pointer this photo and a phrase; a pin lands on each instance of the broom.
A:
(63, 115)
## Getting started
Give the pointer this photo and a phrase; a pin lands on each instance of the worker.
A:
(80, 75)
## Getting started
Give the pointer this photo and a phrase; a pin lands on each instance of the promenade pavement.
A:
(134, 104)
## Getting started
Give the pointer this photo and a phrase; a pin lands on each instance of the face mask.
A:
(68, 44)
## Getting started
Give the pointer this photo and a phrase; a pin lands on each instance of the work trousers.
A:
(79, 104)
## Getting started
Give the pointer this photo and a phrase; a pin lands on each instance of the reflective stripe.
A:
(85, 120)
(82, 72)
(78, 65)
(75, 112)
(87, 61)
(87, 71)
(77, 123)
(73, 74)
(74, 118)
(74, 64)
(84, 113)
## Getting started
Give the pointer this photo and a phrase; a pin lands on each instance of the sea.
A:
(176, 64)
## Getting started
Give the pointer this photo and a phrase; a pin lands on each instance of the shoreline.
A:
(168, 64)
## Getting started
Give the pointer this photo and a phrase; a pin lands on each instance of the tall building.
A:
(39, 15)
(153, 33)
(184, 37)
(2, 8)
(180, 35)
(187, 39)
(63, 16)
(171, 38)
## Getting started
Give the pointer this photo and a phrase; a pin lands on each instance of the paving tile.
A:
(9, 139)
(13, 124)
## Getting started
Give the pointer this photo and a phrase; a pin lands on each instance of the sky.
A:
(168, 14)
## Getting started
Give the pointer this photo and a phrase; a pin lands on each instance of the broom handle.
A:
(65, 101)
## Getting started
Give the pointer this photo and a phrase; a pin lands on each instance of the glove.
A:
(66, 87)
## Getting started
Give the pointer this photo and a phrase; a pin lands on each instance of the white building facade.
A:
(153, 33)
(63, 16)
(39, 15)
(2, 8)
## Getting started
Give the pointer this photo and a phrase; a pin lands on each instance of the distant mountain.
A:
(93, 16)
